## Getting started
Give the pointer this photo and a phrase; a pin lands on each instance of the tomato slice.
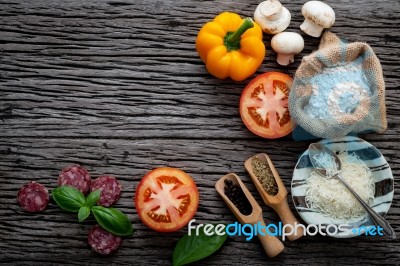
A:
(166, 199)
(264, 105)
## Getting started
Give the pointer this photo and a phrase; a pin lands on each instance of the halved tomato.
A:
(264, 105)
(166, 199)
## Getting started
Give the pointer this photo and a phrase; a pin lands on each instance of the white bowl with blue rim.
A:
(381, 175)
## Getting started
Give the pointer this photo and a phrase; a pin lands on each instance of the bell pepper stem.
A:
(233, 39)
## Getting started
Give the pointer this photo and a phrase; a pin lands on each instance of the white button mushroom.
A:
(318, 16)
(286, 45)
(272, 17)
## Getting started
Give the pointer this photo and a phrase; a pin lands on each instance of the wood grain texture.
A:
(118, 87)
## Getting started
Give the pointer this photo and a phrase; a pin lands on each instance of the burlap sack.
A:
(338, 90)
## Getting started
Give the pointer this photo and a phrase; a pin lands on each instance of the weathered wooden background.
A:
(118, 87)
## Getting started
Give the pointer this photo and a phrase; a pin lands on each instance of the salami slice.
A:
(110, 189)
(75, 176)
(102, 241)
(33, 197)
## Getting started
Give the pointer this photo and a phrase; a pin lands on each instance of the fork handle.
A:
(376, 218)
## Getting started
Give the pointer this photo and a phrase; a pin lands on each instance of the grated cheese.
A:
(326, 161)
(332, 198)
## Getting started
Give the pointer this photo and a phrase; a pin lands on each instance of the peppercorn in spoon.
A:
(246, 209)
(272, 190)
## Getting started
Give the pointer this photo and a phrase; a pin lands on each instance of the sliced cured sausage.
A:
(110, 189)
(102, 241)
(33, 197)
(75, 176)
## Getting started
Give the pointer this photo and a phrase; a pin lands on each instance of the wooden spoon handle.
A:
(287, 217)
(272, 245)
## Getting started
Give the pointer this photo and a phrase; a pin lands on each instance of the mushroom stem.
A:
(311, 28)
(272, 16)
(276, 16)
(265, 10)
(285, 59)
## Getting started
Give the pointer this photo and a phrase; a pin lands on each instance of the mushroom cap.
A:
(319, 13)
(287, 43)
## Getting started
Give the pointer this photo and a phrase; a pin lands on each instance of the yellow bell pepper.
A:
(231, 46)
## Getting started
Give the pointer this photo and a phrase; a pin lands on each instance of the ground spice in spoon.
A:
(235, 194)
(264, 174)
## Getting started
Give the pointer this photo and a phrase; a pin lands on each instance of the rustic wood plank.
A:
(118, 87)
(129, 160)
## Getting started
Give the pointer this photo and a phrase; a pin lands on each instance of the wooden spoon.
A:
(272, 245)
(278, 202)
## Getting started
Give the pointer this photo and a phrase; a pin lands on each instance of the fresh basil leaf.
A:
(83, 213)
(93, 198)
(113, 220)
(196, 247)
(68, 198)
